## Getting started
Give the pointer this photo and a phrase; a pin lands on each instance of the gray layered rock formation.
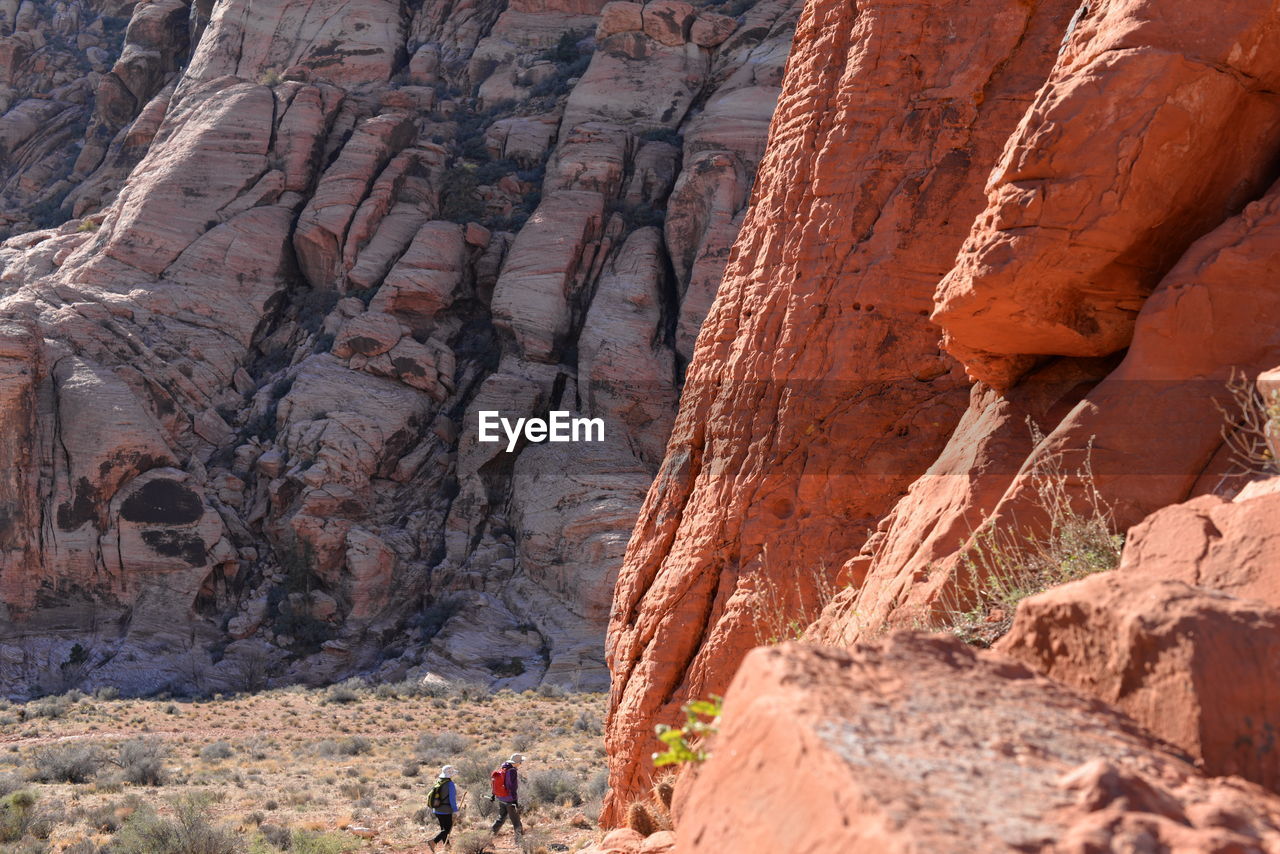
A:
(266, 264)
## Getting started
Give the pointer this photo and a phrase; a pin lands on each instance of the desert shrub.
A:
(553, 786)
(10, 783)
(471, 841)
(479, 799)
(410, 769)
(588, 722)
(786, 610)
(354, 745)
(276, 836)
(16, 813)
(189, 832)
(66, 763)
(350, 691)
(216, 751)
(441, 747)
(551, 691)
(104, 818)
(325, 747)
(107, 692)
(598, 786)
(142, 761)
(49, 707)
(1252, 427)
(1001, 567)
(525, 738)
(355, 790)
(314, 842)
(473, 769)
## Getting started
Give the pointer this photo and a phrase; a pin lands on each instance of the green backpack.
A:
(439, 796)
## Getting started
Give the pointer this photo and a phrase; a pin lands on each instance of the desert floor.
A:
(322, 771)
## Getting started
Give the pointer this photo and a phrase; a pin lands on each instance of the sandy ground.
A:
(350, 770)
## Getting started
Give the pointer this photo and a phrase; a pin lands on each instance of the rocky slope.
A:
(987, 238)
(266, 263)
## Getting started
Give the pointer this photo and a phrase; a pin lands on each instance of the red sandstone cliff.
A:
(1073, 204)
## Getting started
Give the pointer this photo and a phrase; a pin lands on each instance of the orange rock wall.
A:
(1119, 270)
(818, 391)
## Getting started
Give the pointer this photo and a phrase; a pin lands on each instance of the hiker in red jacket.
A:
(506, 789)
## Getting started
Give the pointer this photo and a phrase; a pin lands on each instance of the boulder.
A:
(938, 749)
(348, 44)
(1192, 665)
(210, 149)
(619, 16)
(368, 334)
(667, 21)
(322, 226)
(425, 279)
(711, 30)
(1078, 206)
(532, 300)
(1224, 545)
(638, 82)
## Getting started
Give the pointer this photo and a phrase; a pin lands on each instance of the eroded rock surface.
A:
(249, 321)
(939, 749)
(818, 390)
(1053, 186)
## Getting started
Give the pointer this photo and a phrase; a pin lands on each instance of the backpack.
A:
(499, 780)
(439, 796)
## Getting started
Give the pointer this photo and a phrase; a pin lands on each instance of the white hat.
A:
(448, 771)
(516, 758)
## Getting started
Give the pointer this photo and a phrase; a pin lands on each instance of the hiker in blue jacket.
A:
(443, 801)
(506, 789)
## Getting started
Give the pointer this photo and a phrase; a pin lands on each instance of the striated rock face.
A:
(818, 390)
(918, 744)
(1070, 204)
(249, 324)
(1092, 198)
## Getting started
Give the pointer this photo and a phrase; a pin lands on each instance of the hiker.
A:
(506, 789)
(443, 801)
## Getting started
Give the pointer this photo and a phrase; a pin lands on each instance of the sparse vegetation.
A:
(787, 610)
(686, 744)
(66, 763)
(289, 770)
(1252, 429)
(1001, 567)
(189, 831)
(142, 761)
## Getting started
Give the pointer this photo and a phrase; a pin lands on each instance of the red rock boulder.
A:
(1194, 666)
(917, 744)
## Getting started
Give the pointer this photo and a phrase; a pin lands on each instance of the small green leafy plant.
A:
(684, 744)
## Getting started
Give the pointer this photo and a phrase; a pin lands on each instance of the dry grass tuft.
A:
(1002, 566)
